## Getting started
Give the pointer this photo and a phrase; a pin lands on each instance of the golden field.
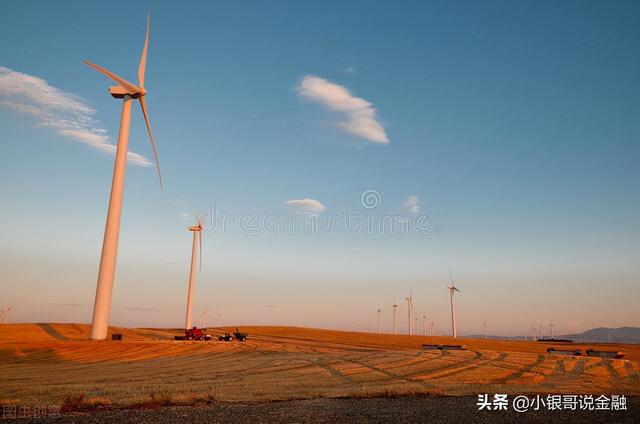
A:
(55, 364)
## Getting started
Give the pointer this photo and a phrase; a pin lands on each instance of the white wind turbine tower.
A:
(197, 236)
(424, 325)
(551, 330)
(379, 310)
(128, 92)
(4, 315)
(452, 290)
(415, 326)
(395, 308)
(540, 331)
(431, 325)
(410, 309)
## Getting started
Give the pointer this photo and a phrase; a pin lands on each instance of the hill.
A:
(607, 335)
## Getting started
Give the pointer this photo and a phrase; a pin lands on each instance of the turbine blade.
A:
(143, 57)
(121, 81)
(200, 237)
(143, 105)
(195, 213)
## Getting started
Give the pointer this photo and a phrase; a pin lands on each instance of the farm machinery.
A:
(227, 337)
(195, 334)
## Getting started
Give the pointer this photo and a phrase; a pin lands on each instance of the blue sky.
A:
(514, 126)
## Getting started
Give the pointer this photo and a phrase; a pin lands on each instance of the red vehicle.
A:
(195, 334)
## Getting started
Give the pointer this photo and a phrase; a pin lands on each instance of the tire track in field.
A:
(389, 374)
(472, 366)
(322, 363)
(455, 365)
(616, 379)
(52, 332)
(519, 373)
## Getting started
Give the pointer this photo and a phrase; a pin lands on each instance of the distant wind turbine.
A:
(395, 307)
(197, 239)
(410, 309)
(4, 315)
(379, 310)
(452, 290)
(126, 91)
(424, 325)
(203, 318)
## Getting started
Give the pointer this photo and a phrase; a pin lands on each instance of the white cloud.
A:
(307, 205)
(360, 114)
(67, 114)
(410, 203)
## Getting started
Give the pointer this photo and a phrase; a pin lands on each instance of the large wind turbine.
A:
(379, 310)
(128, 92)
(410, 309)
(197, 239)
(452, 290)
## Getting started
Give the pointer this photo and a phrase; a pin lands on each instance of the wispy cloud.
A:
(307, 205)
(411, 204)
(360, 115)
(350, 70)
(143, 309)
(67, 114)
(72, 305)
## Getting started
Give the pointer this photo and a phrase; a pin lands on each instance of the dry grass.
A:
(55, 364)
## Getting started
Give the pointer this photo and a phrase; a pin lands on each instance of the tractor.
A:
(241, 337)
(195, 333)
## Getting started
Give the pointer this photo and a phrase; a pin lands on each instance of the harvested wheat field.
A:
(55, 364)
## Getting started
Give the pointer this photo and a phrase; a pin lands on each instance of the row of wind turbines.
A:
(128, 92)
(412, 320)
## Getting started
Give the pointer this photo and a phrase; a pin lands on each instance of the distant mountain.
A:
(595, 335)
(606, 335)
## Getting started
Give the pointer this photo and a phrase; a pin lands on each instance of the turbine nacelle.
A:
(120, 92)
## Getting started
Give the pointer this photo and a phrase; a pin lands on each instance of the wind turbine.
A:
(197, 237)
(203, 318)
(410, 309)
(415, 326)
(424, 325)
(551, 330)
(4, 315)
(452, 290)
(379, 310)
(395, 307)
(128, 92)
